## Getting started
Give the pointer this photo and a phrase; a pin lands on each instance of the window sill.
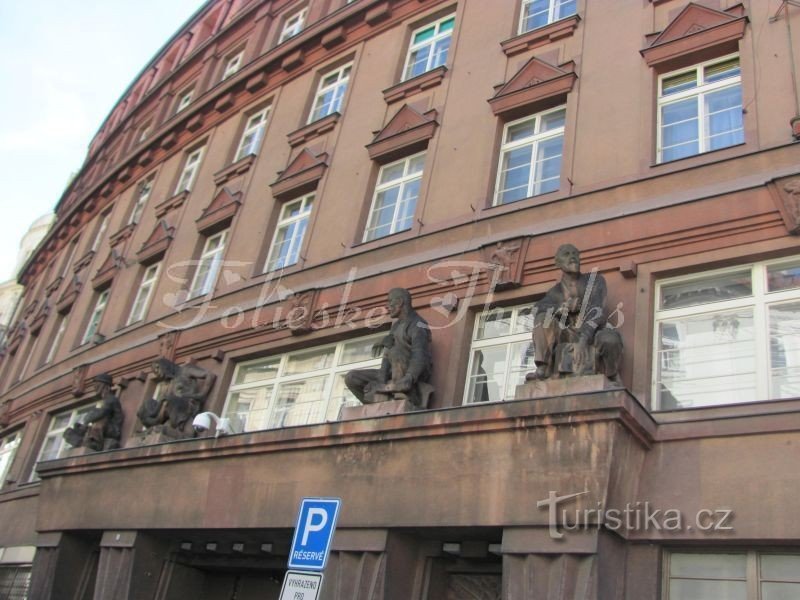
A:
(540, 36)
(546, 198)
(392, 238)
(240, 167)
(313, 129)
(171, 204)
(414, 85)
(701, 158)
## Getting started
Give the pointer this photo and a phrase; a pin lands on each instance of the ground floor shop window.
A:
(15, 582)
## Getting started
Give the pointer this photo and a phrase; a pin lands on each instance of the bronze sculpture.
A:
(183, 390)
(101, 428)
(570, 331)
(406, 363)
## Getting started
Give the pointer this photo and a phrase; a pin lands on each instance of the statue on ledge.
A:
(183, 390)
(570, 332)
(406, 363)
(101, 428)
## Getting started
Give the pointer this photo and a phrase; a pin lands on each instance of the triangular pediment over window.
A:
(406, 132)
(219, 213)
(536, 85)
(156, 245)
(695, 30)
(105, 274)
(67, 298)
(301, 175)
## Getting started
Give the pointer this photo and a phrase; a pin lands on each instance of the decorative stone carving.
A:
(184, 389)
(506, 260)
(79, 380)
(570, 332)
(786, 195)
(406, 363)
(101, 428)
(167, 343)
(300, 311)
(5, 413)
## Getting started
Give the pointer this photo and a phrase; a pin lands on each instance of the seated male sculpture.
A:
(185, 388)
(101, 427)
(406, 364)
(570, 333)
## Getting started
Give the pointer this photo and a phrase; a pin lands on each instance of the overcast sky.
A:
(63, 66)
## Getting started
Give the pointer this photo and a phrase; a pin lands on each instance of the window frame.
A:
(289, 29)
(74, 415)
(143, 303)
(184, 100)
(61, 328)
(551, 14)
(258, 128)
(306, 208)
(214, 256)
(188, 174)
(96, 316)
(143, 192)
(9, 445)
(342, 81)
(402, 182)
(437, 36)
(233, 62)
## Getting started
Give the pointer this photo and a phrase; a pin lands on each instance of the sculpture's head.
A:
(399, 302)
(568, 259)
(163, 368)
(102, 384)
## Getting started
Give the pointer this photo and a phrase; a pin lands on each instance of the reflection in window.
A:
(429, 47)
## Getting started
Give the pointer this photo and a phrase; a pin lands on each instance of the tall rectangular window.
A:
(429, 47)
(56, 341)
(530, 157)
(232, 64)
(101, 231)
(728, 336)
(8, 449)
(252, 134)
(395, 198)
(538, 13)
(330, 93)
(501, 354)
(144, 294)
(54, 445)
(189, 172)
(293, 25)
(142, 195)
(208, 265)
(289, 233)
(298, 388)
(69, 256)
(184, 101)
(95, 317)
(700, 109)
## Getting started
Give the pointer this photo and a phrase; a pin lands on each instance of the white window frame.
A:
(185, 100)
(293, 25)
(144, 132)
(204, 278)
(759, 302)
(700, 91)
(508, 340)
(75, 415)
(253, 134)
(284, 222)
(8, 450)
(101, 231)
(96, 316)
(144, 294)
(232, 64)
(189, 172)
(338, 88)
(332, 372)
(143, 195)
(534, 184)
(438, 35)
(401, 182)
(553, 13)
(62, 327)
(73, 247)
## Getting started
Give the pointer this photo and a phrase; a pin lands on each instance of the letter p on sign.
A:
(316, 523)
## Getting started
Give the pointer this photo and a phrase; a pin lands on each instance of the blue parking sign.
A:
(313, 533)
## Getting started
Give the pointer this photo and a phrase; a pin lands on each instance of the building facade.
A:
(281, 165)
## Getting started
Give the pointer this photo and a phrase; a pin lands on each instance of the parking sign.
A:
(316, 522)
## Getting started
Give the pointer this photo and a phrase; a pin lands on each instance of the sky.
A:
(63, 66)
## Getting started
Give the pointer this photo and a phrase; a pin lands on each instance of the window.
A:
(252, 134)
(330, 93)
(189, 172)
(8, 448)
(735, 575)
(62, 327)
(184, 101)
(298, 388)
(54, 445)
(429, 46)
(501, 354)
(144, 294)
(289, 233)
(232, 65)
(70, 255)
(144, 191)
(293, 25)
(395, 197)
(208, 265)
(728, 336)
(95, 317)
(538, 13)
(530, 157)
(101, 231)
(144, 132)
(15, 581)
(700, 109)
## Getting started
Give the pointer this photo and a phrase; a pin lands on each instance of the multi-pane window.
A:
(700, 109)
(95, 317)
(15, 582)
(208, 265)
(728, 336)
(101, 231)
(429, 46)
(395, 198)
(330, 93)
(54, 445)
(185, 100)
(144, 132)
(538, 13)
(144, 293)
(189, 172)
(143, 194)
(232, 65)
(297, 388)
(70, 255)
(293, 25)
(289, 233)
(252, 134)
(734, 575)
(501, 354)
(54, 344)
(8, 448)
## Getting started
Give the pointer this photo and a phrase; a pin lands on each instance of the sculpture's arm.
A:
(420, 360)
